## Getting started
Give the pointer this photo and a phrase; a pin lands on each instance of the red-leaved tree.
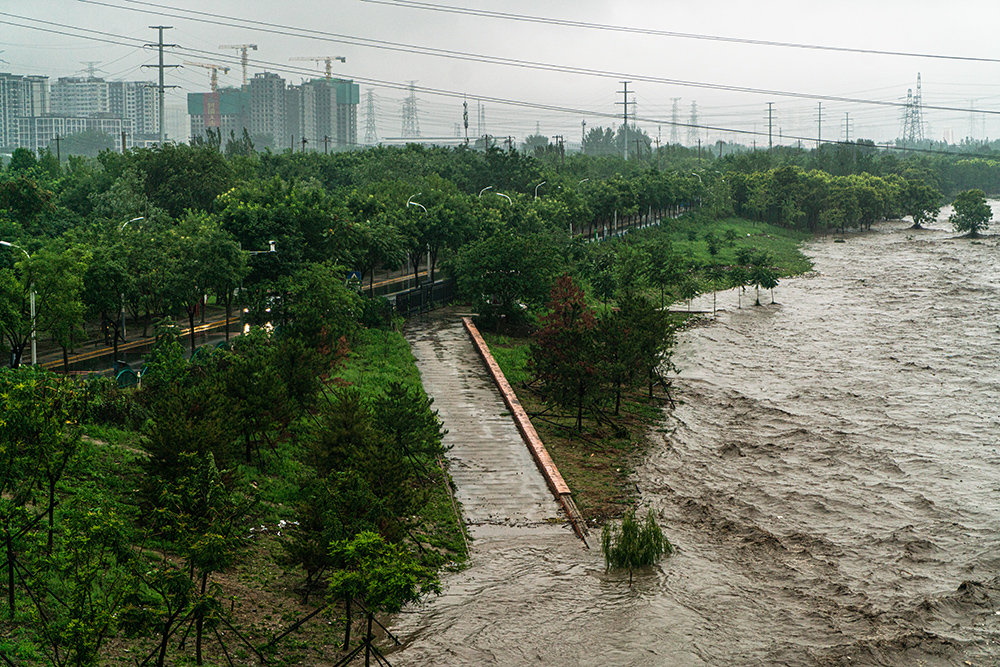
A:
(563, 355)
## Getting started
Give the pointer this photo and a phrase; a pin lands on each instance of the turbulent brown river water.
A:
(831, 482)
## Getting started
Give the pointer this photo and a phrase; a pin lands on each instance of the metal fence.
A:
(423, 298)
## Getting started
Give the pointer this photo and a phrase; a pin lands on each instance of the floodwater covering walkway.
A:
(501, 489)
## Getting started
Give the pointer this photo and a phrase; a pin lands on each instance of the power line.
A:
(282, 67)
(292, 31)
(667, 33)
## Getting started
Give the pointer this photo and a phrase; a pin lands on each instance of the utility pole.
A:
(770, 125)
(465, 119)
(123, 142)
(624, 93)
(59, 154)
(160, 45)
(674, 119)
(304, 142)
(583, 133)
(819, 129)
(326, 144)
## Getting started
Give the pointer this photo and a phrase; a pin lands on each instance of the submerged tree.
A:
(972, 213)
(632, 545)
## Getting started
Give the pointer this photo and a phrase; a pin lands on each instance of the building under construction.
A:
(324, 112)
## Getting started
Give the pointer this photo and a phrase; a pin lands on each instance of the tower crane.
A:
(215, 72)
(328, 60)
(242, 48)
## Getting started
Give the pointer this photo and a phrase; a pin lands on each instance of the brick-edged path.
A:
(497, 480)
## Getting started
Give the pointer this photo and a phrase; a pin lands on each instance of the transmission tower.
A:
(913, 120)
(972, 120)
(692, 134)
(411, 124)
(371, 132)
(918, 113)
(674, 134)
(91, 68)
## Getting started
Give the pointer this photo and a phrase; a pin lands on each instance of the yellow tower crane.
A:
(328, 60)
(244, 60)
(215, 72)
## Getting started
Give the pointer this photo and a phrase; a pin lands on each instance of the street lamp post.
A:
(488, 187)
(34, 348)
(123, 226)
(409, 203)
(509, 200)
(538, 186)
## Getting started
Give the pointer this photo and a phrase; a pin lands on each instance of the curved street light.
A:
(488, 187)
(538, 186)
(34, 348)
(120, 230)
(509, 200)
(128, 222)
(410, 202)
(583, 181)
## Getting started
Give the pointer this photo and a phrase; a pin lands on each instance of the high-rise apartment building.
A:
(227, 110)
(38, 132)
(267, 109)
(75, 96)
(137, 102)
(327, 112)
(20, 97)
(321, 111)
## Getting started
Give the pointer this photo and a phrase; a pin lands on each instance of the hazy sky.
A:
(553, 99)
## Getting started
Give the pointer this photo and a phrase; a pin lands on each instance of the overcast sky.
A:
(547, 96)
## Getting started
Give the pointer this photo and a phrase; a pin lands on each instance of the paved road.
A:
(498, 483)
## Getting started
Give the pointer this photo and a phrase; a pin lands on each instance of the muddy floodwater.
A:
(831, 481)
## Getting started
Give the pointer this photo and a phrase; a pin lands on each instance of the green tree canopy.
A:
(972, 214)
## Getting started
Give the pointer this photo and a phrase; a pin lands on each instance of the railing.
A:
(423, 298)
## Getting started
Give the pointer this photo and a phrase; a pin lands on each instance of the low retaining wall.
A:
(552, 477)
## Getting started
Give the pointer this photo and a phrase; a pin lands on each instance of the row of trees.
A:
(132, 552)
(795, 198)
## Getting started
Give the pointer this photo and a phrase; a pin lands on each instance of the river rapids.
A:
(830, 478)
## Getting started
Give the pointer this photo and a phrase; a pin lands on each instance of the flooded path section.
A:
(831, 479)
(497, 481)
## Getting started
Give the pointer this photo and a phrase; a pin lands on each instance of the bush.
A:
(376, 313)
(632, 545)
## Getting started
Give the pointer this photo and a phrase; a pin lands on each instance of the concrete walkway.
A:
(498, 483)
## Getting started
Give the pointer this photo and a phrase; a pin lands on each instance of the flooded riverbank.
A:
(831, 480)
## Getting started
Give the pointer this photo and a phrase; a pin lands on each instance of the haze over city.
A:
(564, 74)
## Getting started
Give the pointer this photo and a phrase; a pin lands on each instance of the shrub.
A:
(632, 545)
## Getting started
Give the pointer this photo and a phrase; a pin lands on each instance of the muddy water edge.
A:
(831, 480)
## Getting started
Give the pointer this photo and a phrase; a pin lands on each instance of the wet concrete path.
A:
(501, 489)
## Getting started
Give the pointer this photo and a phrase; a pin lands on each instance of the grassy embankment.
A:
(598, 462)
(261, 590)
